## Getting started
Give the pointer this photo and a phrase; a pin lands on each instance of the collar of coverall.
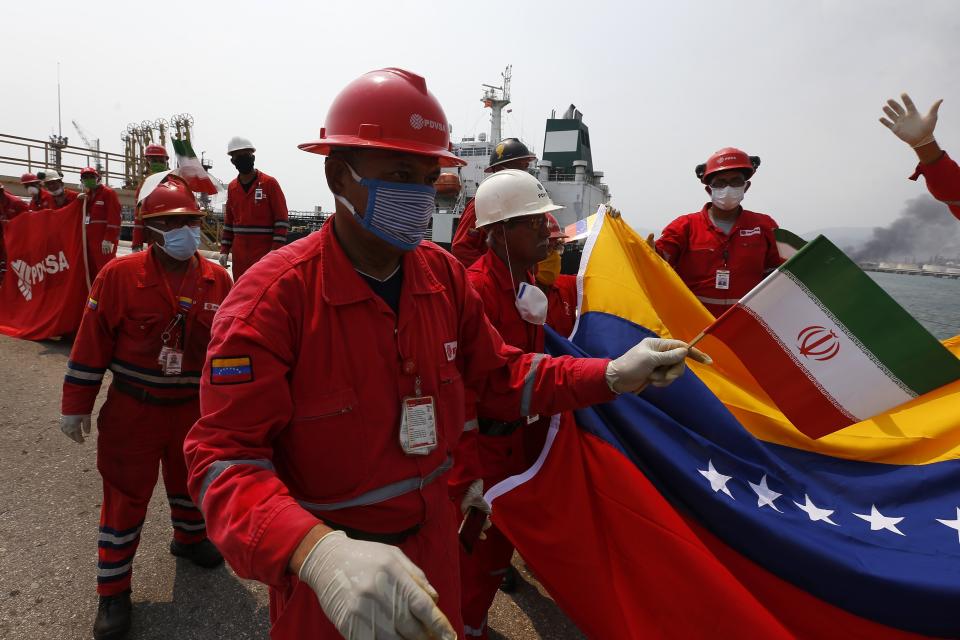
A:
(149, 273)
(744, 219)
(340, 284)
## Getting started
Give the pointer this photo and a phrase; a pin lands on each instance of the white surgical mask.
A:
(531, 302)
(180, 243)
(58, 192)
(727, 198)
(33, 190)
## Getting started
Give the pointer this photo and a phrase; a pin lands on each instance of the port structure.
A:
(496, 98)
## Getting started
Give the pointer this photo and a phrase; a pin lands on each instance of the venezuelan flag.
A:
(699, 510)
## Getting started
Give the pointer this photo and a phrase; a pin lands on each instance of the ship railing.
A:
(29, 155)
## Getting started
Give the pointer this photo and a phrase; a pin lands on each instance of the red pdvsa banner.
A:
(44, 289)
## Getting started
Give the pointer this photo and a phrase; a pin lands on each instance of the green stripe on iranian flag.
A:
(869, 319)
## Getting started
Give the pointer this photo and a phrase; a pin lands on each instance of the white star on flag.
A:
(765, 495)
(718, 481)
(879, 521)
(953, 524)
(815, 512)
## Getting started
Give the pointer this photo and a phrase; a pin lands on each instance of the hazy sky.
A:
(661, 85)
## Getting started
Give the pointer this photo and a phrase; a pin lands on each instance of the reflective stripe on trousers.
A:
(726, 301)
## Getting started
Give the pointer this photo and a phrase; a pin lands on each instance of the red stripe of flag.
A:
(804, 404)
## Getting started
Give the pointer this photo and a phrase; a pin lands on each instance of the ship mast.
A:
(496, 98)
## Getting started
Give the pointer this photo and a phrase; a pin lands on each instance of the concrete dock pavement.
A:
(49, 508)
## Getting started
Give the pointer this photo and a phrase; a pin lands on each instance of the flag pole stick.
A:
(700, 336)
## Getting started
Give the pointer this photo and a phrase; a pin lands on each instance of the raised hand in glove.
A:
(223, 260)
(654, 361)
(75, 426)
(106, 247)
(907, 123)
(371, 590)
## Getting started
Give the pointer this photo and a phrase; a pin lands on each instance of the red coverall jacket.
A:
(943, 181)
(254, 221)
(697, 249)
(103, 223)
(562, 305)
(129, 307)
(469, 243)
(39, 201)
(300, 412)
(502, 456)
(49, 202)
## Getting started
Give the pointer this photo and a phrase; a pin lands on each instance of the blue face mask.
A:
(397, 212)
(180, 243)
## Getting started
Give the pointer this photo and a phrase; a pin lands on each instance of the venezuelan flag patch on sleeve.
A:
(231, 370)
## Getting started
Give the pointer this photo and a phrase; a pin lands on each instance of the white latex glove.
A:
(136, 249)
(654, 361)
(371, 590)
(75, 426)
(107, 247)
(474, 498)
(907, 124)
(223, 260)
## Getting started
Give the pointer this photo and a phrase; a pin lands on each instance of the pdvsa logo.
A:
(818, 343)
(29, 275)
(418, 122)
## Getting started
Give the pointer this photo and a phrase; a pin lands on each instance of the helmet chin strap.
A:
(506, 248)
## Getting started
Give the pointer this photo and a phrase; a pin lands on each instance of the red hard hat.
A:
(88, 170)
(387, 109)
(172, 197)
(155, 151)
(27, 178)
(728, 159)
(554, 227)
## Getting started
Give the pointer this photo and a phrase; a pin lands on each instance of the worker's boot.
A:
(509, 583)
(113, 617)
(203, 553)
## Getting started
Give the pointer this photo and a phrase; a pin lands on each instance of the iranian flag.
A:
(828, 345)
(191, 169)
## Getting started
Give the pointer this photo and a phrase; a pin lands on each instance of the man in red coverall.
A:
(34, 187)
(340, 379)
(157, 160)
(470, 242)
(561, 289)
(723, 250)
(511, 207)
(155, 306)
(102, 221)
(57, 196)
(939, 169)
(255, 218)
(10, 207)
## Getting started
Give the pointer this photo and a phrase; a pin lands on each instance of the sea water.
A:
(934, 302)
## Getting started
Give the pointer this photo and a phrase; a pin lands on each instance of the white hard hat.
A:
(239, 144)
(511, 193)
(52, 175)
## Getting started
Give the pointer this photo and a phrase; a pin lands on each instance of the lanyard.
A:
(182, 304)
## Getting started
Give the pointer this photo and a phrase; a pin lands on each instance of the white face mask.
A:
(727, 198)
(531, 302)
(58, 192)
(33, 190)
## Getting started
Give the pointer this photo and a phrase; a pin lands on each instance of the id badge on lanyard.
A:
(418, 423)
(723, 279)
(171, 353)
(258, 194)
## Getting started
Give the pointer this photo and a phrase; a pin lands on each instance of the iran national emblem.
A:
(818, 343)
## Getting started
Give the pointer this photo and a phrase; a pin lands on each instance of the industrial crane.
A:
(90, 145)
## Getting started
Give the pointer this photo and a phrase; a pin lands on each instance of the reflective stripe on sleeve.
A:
(384, 493)
(80, 374)
(282, 223)
(220, 466)
(527, 396)
(727, 301)
(252, 230)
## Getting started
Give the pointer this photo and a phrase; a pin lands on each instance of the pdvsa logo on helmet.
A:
(418, 122)
(726, 159)
(29, 275)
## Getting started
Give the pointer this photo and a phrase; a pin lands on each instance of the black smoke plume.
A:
(924, 230)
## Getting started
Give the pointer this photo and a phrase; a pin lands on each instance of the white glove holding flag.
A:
(75, 426)
(907, 124)
(371, 590)
(223, 260)
(654, 361)
(107, 247)
(474, 498)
